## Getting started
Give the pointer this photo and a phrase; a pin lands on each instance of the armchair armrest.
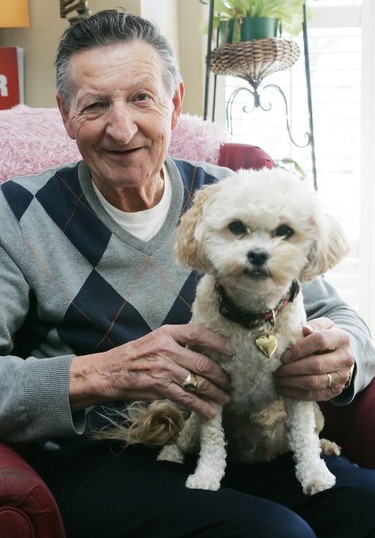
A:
(236, 156)
(353, 427)
(27, 507)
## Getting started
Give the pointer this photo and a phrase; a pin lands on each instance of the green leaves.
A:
(289, 12)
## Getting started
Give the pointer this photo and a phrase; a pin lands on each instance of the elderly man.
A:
(95, 312)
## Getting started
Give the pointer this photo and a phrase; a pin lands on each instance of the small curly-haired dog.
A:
(256, 236)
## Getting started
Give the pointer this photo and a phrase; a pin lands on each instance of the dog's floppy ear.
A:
(190, 250)
(329, 247)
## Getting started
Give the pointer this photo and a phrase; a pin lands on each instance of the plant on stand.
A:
(242, 20)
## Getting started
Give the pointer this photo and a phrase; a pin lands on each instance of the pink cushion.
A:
(197, 140)
(32, 140)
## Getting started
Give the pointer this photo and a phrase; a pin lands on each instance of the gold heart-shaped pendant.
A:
(267, 344)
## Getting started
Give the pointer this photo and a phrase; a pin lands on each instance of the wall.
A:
(192, 53)
(179, 20)
(39, 43)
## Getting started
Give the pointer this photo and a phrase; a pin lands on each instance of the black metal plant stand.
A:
(258, 102)
(252, 61)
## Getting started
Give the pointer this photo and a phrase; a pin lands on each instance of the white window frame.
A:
(367, 220)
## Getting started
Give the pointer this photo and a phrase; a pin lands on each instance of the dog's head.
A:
(260, 228)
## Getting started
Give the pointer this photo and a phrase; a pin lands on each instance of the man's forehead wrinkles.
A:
(95, 90)
(142, 80)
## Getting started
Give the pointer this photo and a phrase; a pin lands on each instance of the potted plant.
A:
(243, 20)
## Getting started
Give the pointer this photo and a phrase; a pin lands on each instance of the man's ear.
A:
(177, 100)
(65, 116)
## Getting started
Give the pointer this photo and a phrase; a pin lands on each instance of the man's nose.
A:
(121, 124)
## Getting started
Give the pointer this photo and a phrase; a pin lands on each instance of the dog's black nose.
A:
(258, 256)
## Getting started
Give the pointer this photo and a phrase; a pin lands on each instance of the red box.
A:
(11, 77)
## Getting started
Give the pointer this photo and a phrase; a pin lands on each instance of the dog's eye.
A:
(237, 227)
(284, 231)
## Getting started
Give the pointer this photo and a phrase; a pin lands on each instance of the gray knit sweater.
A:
(74, 282)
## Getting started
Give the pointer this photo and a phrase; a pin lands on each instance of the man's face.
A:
(121, 114)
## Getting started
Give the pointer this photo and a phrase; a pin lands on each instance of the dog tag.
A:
(267, 344)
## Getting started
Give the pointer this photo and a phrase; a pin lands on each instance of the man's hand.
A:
(319, 365)
(154, 367)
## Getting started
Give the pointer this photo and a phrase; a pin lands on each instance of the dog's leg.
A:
(329, 448)
(188, 441)
(212, 457)
(171, 453)
(311, 469)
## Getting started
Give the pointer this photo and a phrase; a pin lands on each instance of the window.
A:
(340, 41)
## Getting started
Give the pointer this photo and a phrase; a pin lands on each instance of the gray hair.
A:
(109, 27)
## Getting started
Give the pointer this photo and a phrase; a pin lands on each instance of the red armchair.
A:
(27, 507)
(236, 156)
(352, 427)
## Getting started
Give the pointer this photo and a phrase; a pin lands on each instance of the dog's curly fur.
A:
(254, 233)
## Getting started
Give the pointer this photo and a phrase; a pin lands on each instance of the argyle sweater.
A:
(73, 282)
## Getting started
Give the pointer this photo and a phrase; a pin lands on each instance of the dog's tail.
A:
(158, 423)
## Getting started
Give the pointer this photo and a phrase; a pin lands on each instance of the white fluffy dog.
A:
(256, 235)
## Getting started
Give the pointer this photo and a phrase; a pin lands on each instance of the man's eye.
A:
(94, 106)
(284, 231)
(237, 227)
(142, 97)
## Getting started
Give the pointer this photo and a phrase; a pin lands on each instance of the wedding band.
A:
(329, 381)
(191, 383)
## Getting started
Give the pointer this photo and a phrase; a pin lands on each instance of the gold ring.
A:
(191, 383)
(347, 384)
(329, 381)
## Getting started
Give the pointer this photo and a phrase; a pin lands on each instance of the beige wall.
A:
(178, 19)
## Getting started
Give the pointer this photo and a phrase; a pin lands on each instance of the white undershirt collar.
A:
(142, 224)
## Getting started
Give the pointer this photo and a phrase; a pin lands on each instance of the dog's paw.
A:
(329, 448)
(203, 481)
(171, 453)
(319, 483)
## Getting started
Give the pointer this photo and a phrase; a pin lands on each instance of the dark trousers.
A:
(106, 492)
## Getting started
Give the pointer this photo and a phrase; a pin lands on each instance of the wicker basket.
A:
(254, 60)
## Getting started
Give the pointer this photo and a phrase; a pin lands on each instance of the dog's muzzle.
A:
(257, 269)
